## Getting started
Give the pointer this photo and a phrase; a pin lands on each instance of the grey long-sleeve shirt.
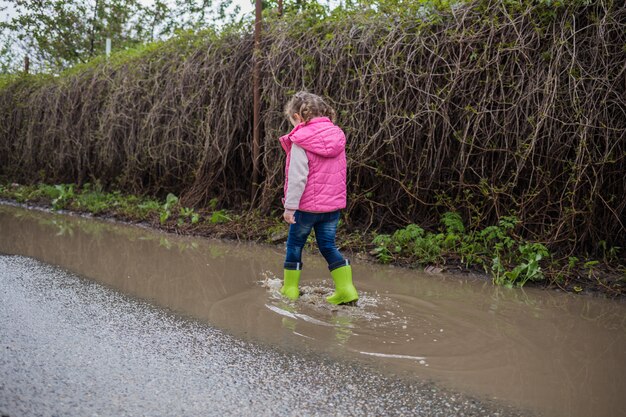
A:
(298, 174)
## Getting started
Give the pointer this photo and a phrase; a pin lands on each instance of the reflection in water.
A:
(559, 354)
(343, 328)
(342, 324)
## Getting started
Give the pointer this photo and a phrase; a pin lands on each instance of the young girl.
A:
(315, 191)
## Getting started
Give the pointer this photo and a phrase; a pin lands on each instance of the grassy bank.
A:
(496, 250)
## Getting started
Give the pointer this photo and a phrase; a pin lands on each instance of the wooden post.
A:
(256, 87)
(26, 64)
(280, 7)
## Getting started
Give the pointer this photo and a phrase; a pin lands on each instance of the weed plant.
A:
(92, 199)
(509, 259)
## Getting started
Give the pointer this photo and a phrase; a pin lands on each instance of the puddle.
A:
(556, 354)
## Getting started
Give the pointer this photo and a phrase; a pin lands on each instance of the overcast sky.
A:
(5, 15)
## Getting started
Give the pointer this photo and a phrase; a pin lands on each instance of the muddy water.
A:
(555, 354)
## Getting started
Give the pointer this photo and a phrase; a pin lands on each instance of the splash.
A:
(313, 307)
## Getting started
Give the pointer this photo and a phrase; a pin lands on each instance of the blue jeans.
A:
(325, 225)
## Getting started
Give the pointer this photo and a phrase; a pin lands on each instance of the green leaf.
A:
(164, 216)
(219, 217)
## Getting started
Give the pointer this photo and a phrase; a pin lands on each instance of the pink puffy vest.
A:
(325, 146)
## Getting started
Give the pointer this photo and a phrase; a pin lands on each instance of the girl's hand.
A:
(289, 216)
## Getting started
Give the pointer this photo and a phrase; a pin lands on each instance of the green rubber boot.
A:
(344, 289)
(290, 284)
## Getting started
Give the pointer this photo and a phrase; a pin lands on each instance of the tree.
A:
(58, 34)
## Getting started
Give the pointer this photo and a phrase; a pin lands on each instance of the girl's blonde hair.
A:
(308, 106)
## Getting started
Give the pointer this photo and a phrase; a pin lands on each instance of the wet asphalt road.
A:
(72, 347)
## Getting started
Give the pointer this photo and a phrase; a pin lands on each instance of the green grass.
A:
(91, 198)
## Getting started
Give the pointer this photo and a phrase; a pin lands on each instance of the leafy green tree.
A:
(60, 33)
(163, 19)
(57, 34)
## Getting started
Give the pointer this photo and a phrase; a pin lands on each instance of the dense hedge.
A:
(485, 109)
